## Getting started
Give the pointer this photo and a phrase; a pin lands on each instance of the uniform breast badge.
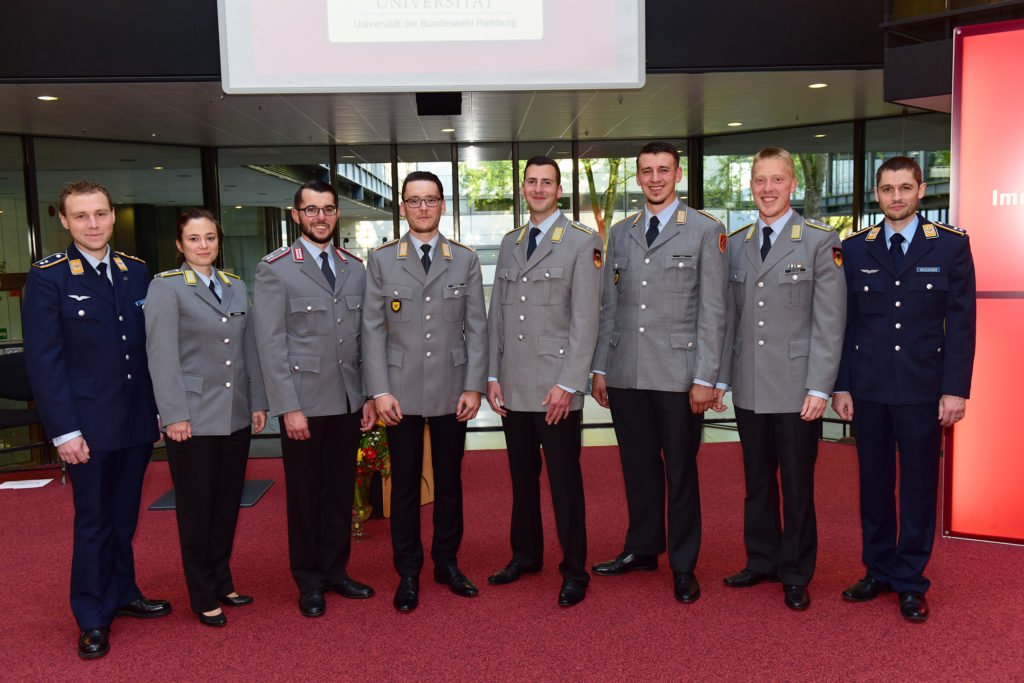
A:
(396, 305)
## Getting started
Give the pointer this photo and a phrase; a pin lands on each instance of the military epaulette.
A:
(580, 226)
(951, 228)
(739, 230)
(341, 251)
(818, 225)
(521, 228)
(709, 216)
(863, 231)
(460, 244)
(224, 272)
(170, 273)
(635, 217)
(50, 260)
(274, 255)
(133, 258)
(386, 244)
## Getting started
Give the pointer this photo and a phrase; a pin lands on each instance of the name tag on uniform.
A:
(235, 314)
(929, 269)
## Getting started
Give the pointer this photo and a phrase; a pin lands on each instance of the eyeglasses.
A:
(312, 211)
(414, 202)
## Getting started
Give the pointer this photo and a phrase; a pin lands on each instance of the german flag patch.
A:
(837, 256)
(597, 258)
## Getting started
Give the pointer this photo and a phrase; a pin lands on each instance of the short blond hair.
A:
(774, 153)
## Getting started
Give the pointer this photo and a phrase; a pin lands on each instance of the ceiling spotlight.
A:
(158, 168)
(239, 206)
(819, 135)
(815, 86)
(734, 124)
(47, 98)
(447, 130)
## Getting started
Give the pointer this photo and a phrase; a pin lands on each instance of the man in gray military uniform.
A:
(662, 330)
(425, 362)
(542, 328)
(307, 308)
(788, 310)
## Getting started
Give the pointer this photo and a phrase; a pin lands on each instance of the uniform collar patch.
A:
(76, 266)
(929, 231)
(873, 233)
(298, 255)
(190, 277)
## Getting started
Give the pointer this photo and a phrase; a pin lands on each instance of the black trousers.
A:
(658, 438)
(208, 474)
(897, 552)
(525, 434)
(779, 447)
(107, 491)
(447, 446)
(320, 475)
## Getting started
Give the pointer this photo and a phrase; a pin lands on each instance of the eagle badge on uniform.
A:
(76, 266)
(597, 258)
(396, 305)
(837, 256)
(723, 242)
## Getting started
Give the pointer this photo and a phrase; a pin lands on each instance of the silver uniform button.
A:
(898, 326)
(223, 320)
(396, 292)
(689, 345)
(520, 337)
(796, 277)
(643, 283)
(897, 304)
(522, 298)
(897, 283)
(760, 323)
(522, 317)
(309, 308)
(335, 300)
(129, 375)
(856, 347)
(81, 312)
(524, 278)
(561, 352)
(426, 317)
(339, 321)
(928, 286)
(428, 354)
(227, 341)
(760, 303)
(120, 318)
(642, 330)
(227, 384)
(643, 307)
(341, 341)
(647, 260)
(679, 265)
(547, 274)
(428, 335)
(295, 368)
(127, 357)
(228, 363)
(897, 347)
(427, 299)
(124, 338)
(760, 284)
(760, 342)
(456, 292)
(866, 288)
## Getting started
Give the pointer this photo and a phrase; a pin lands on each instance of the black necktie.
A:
(532, 244)
(766, 241)
(896, 250)
(425, 259)
(213, 290)
(325, 266)
(652, 231)
(101, 268)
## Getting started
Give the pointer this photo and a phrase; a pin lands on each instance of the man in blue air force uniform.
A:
(85, 348)
(905, 374)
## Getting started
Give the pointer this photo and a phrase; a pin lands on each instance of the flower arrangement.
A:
(373, 456)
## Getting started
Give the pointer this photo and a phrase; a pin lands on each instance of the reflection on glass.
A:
(365, 197)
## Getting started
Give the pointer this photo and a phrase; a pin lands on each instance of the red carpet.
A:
(628, 627)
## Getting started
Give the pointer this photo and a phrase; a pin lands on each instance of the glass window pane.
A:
(608, 188)
(924, 138)
(486, 197)
(823, 160)
(15, 257)
(149, 184)
(366, 198)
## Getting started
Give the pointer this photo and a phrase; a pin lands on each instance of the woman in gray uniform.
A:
(209, 390)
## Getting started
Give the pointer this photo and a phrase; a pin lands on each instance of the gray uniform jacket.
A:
(542, 324)
(424, 335)
(307, 335)
(202, 354)
(663, 311)
(787, 316)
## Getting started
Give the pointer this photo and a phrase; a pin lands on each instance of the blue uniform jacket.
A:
(85, 348)
(909, 335)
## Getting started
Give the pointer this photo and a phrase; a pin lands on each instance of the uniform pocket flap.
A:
(679, 340)
(455, 291)
(354, 302)
(613, 341)
(459, 356)
(193, 383)
(304, 363)
(868, 286)
(549, 274)
(393, 291)
(863, 345)
(396, 357)
(552, 346)
(309, 304)
(680, 261)
(922, 284)
(799, 347)
(792, 275)
(737, 276)
(929, 347)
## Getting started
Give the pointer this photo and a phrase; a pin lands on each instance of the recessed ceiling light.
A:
(239, 206)
(815, 86)
(158, 168)
(447, 130)
(47, 98)
(734, 124)
(819, 135)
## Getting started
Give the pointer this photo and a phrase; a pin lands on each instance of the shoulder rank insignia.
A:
(818, 225)
(858, 232)
(556, 234)
(951, 228)
(274, 255)
(346, 254)
(796, 231)
(403, 249)
(76, 266)
(837, 256)
(521, 227)
(739, 230)
(873, 233)
(709, 216)
(50, 260)
(133, 258)
(120, 264)
(446, 250)
(170, 273)
(190, 277)
(460, 244)
(580, 226)
(723, 242)
(229, 275)
(597, 260)
(929, 231)
(386, 244)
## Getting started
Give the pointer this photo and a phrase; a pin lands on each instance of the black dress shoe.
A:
(144, 608)
(312, 604)
(913, 606)
(237, 601)
(452, 576)
(216, 620)
(407, 596)
(866, 589)
(350, 588)
(93, 643)
(572, 593)
(748, 578)
(686, 587)
(797, 597)
(627, 562)
(513, 571)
